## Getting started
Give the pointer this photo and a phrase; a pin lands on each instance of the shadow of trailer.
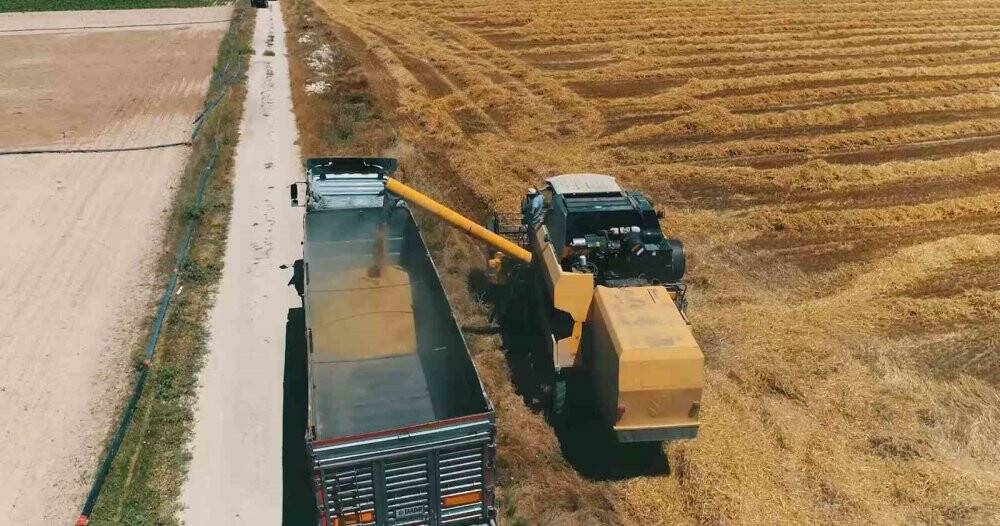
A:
(400, 430)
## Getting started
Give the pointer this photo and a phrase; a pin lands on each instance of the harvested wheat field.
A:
(833, 170)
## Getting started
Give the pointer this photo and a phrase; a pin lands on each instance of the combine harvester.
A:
(608, 309)
(400, 430)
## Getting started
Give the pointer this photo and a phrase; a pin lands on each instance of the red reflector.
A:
(321, 500)
(460, 499)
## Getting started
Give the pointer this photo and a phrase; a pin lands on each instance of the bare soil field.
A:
(82, 232)
(833, 170)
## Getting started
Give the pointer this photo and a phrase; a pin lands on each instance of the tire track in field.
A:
(902, 143)
(521, 39)
(752, 70)
(652, 93)
(783, 40)
(689, 130)
(750, 100)
(617, 121)
(904, 191)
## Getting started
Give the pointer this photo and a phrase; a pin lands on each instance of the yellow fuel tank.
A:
(646, 366)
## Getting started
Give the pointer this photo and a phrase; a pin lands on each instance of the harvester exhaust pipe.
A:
(456, 220)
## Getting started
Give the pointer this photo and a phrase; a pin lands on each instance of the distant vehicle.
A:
(400, 430)
(258, 3)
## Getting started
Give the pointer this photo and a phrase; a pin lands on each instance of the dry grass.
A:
(334, 105)
(832, 169)
(718, 121)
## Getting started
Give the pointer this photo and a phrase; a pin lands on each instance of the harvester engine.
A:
(615, 236)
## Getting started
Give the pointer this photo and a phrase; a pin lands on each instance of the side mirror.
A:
(293, 193)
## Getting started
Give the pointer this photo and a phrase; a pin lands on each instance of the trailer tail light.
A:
(363, 517)
(621, 412)
(461, 499)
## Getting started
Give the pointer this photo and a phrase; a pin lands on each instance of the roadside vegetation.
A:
(145, 481)
(336, 107)
(78, 5)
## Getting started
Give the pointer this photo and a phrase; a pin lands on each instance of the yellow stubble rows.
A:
(829, 166)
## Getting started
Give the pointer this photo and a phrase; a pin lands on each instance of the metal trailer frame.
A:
(391, 440)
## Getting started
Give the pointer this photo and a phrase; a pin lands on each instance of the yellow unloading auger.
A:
(456, 220)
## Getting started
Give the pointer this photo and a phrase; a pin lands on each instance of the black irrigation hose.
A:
(198, 120)
(220, 73)
(161, 313)
(168, 293)
(99, 150)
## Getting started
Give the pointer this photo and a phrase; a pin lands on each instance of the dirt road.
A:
(236, 472)
(81, 232)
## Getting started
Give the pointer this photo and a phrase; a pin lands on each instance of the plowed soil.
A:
(81, 232)
(833, 171)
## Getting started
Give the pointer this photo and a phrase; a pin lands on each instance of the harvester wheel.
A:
(512, 309)
(559, 392)
(558, 397)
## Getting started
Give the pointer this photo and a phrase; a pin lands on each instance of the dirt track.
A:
(236, 468)
(81, 232)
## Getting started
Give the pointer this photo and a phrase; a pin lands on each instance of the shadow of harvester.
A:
(586, 442)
